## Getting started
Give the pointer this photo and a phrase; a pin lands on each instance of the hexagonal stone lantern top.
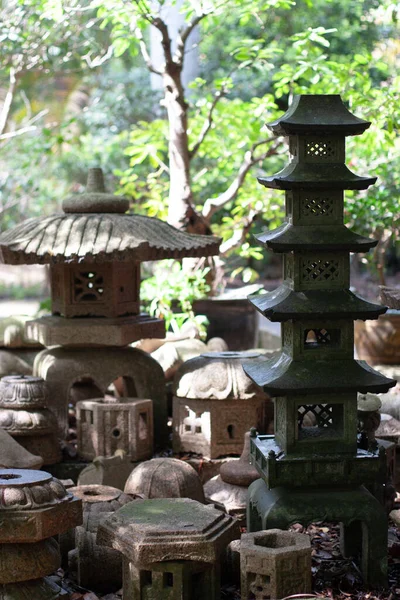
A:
(164, 529)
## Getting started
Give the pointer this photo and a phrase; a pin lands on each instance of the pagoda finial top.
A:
(322, 114)
(95, 199)
(95, 181)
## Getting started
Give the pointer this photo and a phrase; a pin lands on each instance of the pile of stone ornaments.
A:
(155, 529)
(156, 540)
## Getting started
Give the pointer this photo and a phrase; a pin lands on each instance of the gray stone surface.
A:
(143, 376)
(152, 531)
(14, 456)
(97, 567)
(107, 470)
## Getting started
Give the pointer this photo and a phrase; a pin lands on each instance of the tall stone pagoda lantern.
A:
(313, 469)
(94, 249)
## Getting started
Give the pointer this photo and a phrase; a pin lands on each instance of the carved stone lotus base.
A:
(23, 414)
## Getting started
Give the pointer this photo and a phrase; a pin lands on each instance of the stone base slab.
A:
(95, 331)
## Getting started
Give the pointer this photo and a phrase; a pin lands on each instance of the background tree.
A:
(191, 157)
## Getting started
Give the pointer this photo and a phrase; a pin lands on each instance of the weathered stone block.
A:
(94, 331)
(172, 548)
(104, 427)
(171, 580)
(98, 568)
(274, 564)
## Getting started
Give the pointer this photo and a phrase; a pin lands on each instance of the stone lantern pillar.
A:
(94, 249)
(313, 469)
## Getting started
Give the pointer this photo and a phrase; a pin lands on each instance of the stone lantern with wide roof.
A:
(94, 249)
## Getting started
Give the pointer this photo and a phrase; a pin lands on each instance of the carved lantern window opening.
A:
(88, 286)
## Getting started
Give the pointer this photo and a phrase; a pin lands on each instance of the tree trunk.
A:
(180, 193)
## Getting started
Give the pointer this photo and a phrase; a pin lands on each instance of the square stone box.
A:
(105, 427)
(274, 564)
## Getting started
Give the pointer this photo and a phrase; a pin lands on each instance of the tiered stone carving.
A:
(34, 507)
(215, 403)
(25, 416)
(313, 467)
(94, 251)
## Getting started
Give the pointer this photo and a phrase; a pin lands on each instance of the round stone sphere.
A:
(165, 478)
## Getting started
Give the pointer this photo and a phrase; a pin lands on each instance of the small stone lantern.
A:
(105, 427)
(314, 469)
(274, 564)
(94, 249)
(215, 403)
(34, 508)
(171, 548)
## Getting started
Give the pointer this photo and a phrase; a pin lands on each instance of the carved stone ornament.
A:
(34, 507)
(315, 462)
(215, 403)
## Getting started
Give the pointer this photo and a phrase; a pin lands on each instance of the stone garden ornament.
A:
(314, 469)
(94, 249)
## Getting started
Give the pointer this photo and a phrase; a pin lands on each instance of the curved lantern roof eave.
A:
(318, 114)
(95, 228)
(105, 237)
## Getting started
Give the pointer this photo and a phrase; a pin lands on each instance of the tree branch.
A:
(165, 39)
(212, 205)
(239, 235)
(183, 37)
(207, 123)
(30, 126)
(145, 53)
(5, 111)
